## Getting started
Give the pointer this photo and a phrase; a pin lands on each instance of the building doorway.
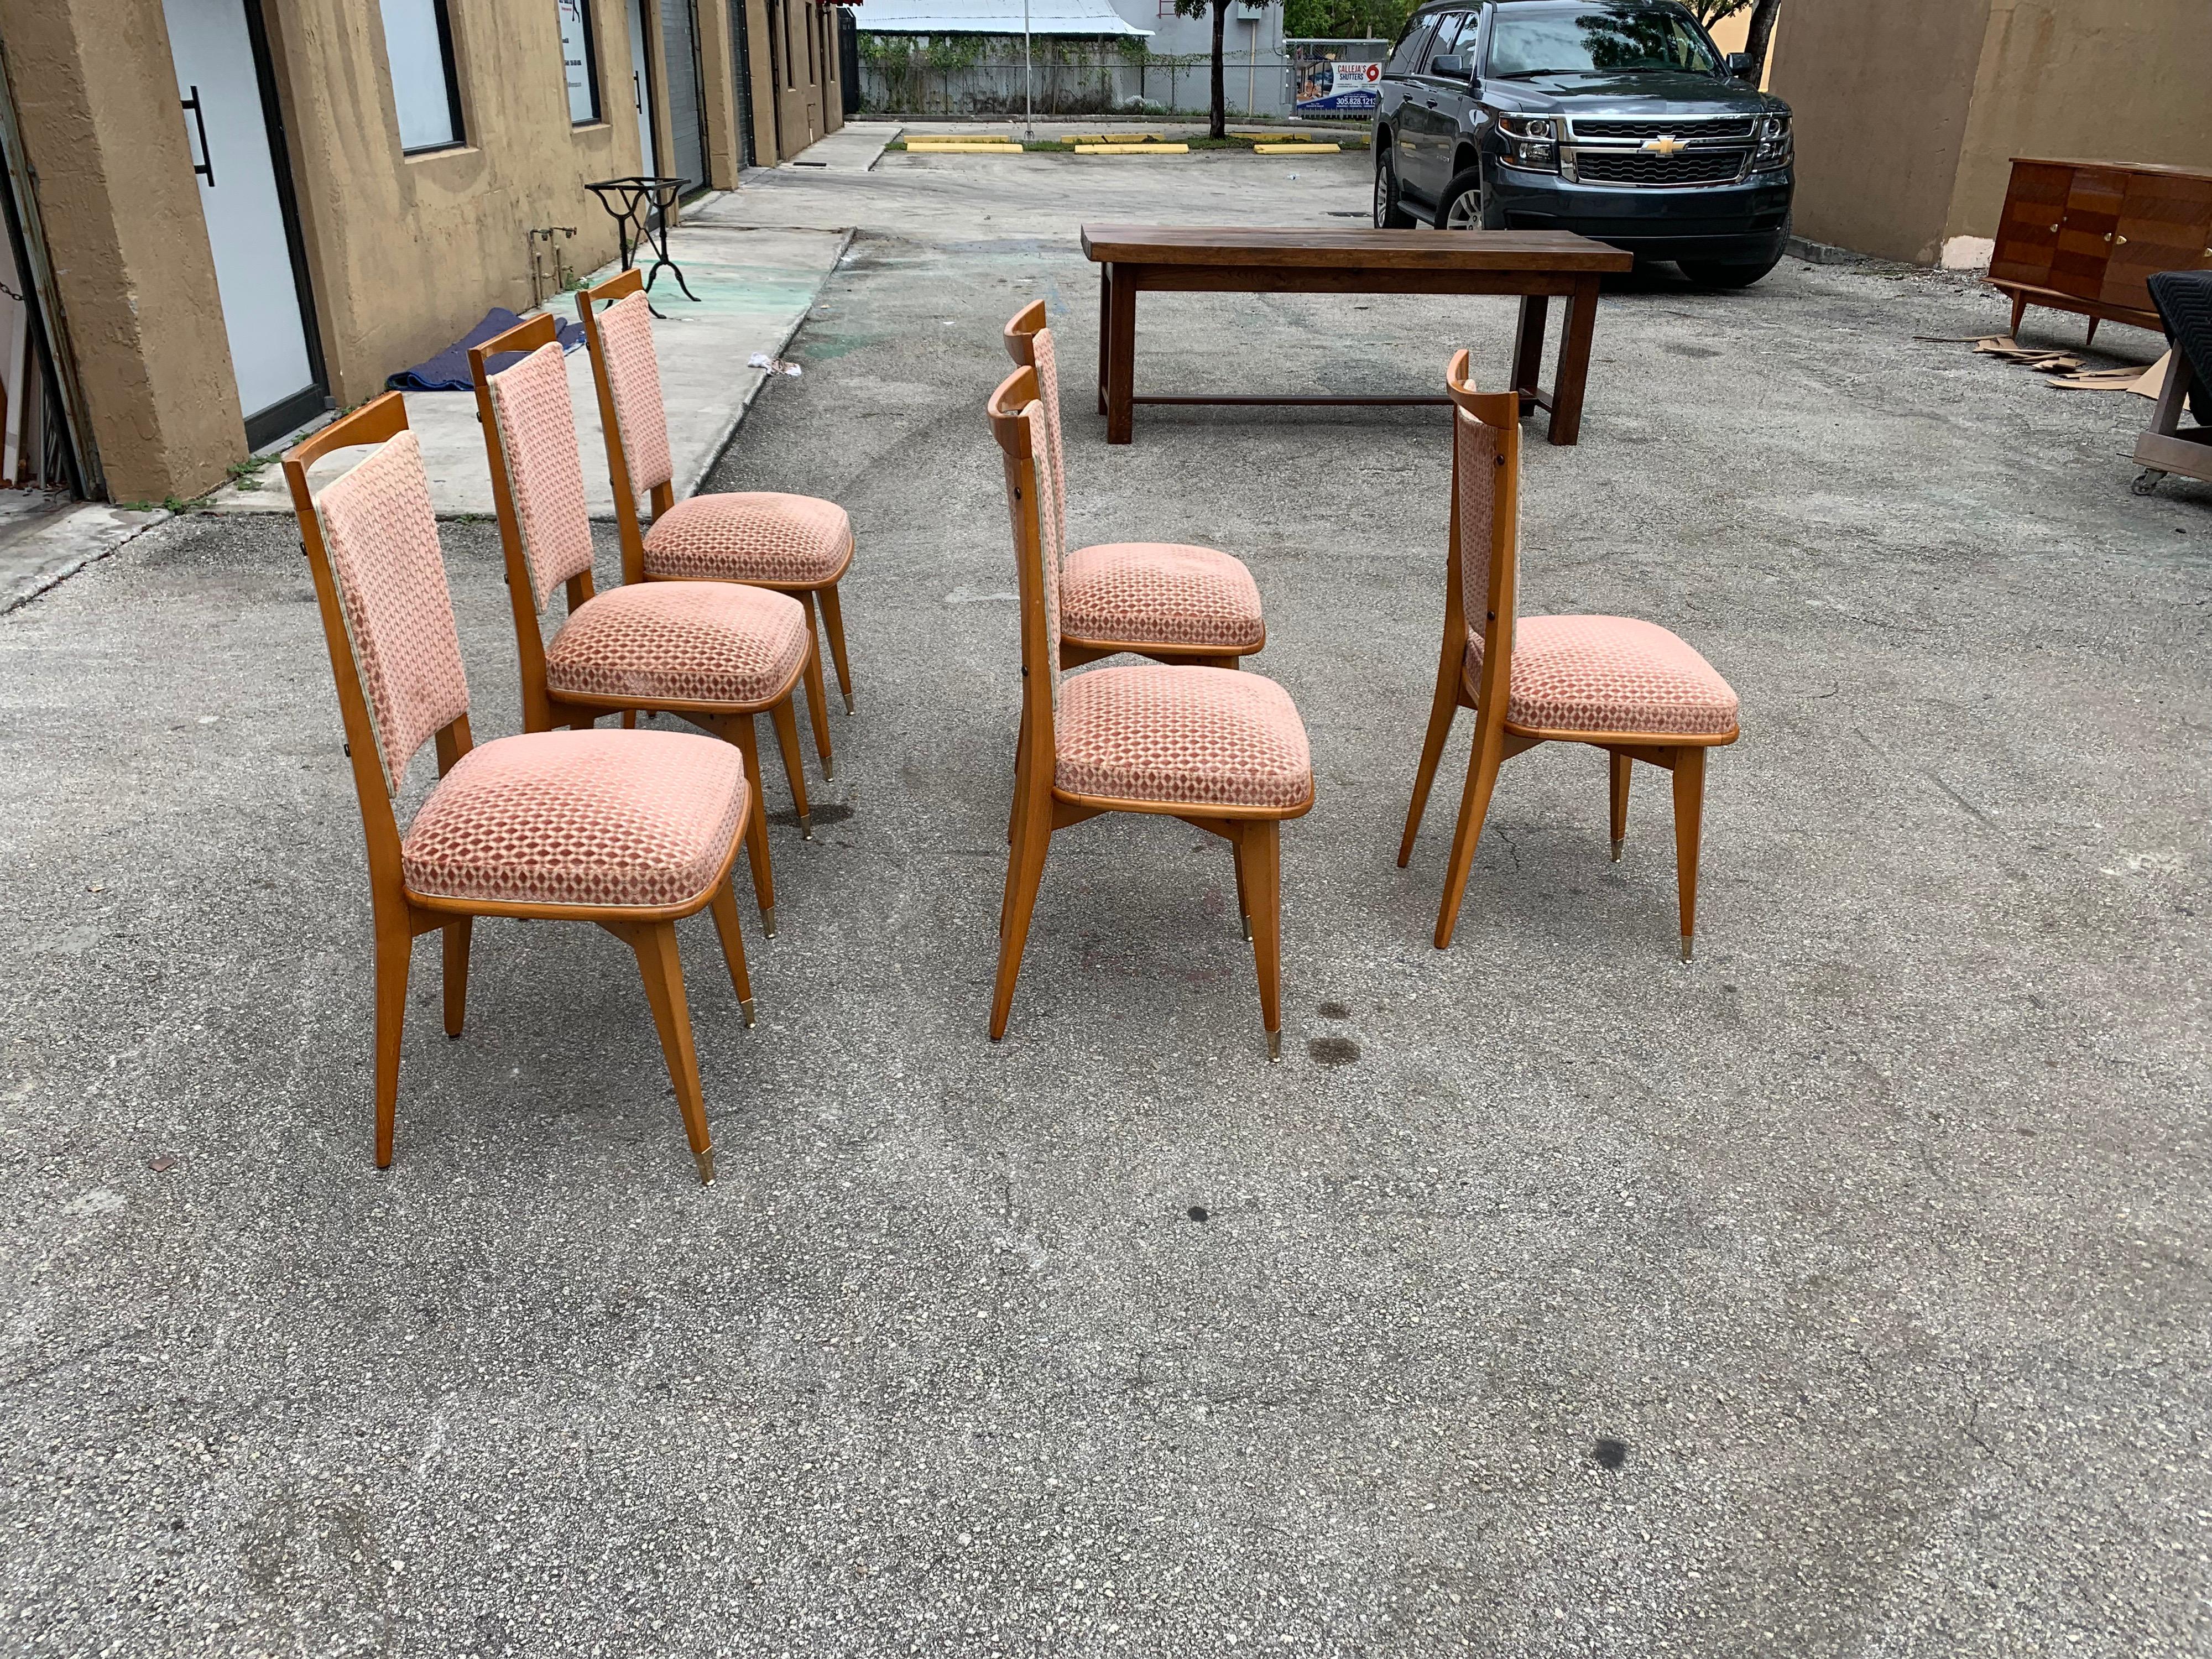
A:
(227, 84)
(640, 87)
(687, 111)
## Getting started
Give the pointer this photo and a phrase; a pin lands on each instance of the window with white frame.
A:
(418, 40)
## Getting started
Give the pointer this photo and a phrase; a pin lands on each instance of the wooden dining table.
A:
(1539, 265)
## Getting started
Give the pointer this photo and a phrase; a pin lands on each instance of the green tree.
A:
(1709, 12)
(1216, 120)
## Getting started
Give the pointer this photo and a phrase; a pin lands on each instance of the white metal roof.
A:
(1085, 17)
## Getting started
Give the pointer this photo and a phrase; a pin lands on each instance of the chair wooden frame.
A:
(1020, 337)
(402, 915)
(1042, 809)
(545, 709)
(808, 594)
(1497, 738)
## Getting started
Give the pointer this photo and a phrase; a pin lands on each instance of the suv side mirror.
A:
(1452, 66)
(1739, 65)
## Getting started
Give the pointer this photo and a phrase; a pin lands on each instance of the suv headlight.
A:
(1531, 142)
(1774, 143)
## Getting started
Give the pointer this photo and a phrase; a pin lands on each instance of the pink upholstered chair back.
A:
(383, 545)
(1485, 527)
(536, 434)
(1051, 545)
(1047, 373)
(634, 378)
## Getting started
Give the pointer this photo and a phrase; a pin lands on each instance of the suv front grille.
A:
(1635, 166)
(1688, 129)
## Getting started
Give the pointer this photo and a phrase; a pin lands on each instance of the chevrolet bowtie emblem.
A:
(1665, 145)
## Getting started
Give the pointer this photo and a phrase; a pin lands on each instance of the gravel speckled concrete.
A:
(1841, 1293)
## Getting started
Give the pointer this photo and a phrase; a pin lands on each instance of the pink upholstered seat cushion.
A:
(633, 819)
(1159, 592)
(1186, 736)
(1610, 674)
(668, 642)
(752, 536)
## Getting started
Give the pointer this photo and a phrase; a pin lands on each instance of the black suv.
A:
(1617, 119)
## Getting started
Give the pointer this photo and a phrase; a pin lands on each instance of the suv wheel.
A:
(1389, 213)
(1464, 207)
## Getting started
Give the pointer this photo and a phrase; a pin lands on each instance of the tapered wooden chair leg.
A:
(663, 972)
(629, 719)
(1259, 855)
(1689, 820)
(725, 906)
(833, 623)
(1024, 870)
(1021, 755)
(1243, 892)
(1621, 765)
(787, 739)
(741, 731)
(395, 949)
(1441, 707)
(817, 698)
(457, 973)
(1474, 806)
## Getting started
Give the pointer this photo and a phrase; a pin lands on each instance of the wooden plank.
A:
(1381, 250)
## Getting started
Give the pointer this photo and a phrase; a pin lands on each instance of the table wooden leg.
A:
(1105, 324)
(1529, 350)
(1574, 362)
(1121, 361)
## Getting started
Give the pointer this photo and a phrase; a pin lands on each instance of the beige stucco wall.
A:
(2118, 80)
(121, 213)
(407, 251)
(1882, 91)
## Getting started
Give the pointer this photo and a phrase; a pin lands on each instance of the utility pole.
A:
(1028, 106)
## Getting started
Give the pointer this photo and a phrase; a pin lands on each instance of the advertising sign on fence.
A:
(1326, 85)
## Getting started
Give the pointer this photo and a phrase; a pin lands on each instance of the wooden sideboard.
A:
(2083, 236)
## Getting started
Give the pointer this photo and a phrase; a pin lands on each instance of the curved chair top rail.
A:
(1020, 330)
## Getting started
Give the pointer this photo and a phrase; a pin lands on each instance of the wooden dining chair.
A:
(797, 544)
(633, 830)
(1627, 687)
(1223, 751)
(717, 653)
(1171, 601)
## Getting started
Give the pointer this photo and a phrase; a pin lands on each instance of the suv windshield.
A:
(1600, 39)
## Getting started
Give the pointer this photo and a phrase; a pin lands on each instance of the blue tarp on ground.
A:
(449, 370)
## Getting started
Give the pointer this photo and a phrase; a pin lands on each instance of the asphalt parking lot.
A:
(1841, 1292)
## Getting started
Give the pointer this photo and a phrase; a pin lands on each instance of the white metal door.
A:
(641, 80)
(228, 133)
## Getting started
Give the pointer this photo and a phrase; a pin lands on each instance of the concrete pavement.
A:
(1840, 1293)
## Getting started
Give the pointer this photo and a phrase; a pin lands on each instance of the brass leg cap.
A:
(768, 921)
(1616, 851)
(1274, 1047)
(745, 1007)
(829, 768)
(849, 705)
(806, 826)
(706, 1162)
(1686, 947)
(1245, 922)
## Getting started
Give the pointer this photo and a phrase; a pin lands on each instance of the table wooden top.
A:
(1355, 249)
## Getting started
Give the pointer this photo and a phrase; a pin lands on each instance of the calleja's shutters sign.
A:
(1327, 87)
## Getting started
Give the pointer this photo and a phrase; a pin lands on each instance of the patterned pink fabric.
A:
(1610, 674)
(537, 437)
(1194, 737)
(1474, 458)
(634, 378)
(751, 536)
(1047, 375)
(1051, 547)
(1160, 592)
(383, 545)
(628, 818)
(685, 641)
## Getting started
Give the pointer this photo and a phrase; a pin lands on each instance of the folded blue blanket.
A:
(449, 370)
